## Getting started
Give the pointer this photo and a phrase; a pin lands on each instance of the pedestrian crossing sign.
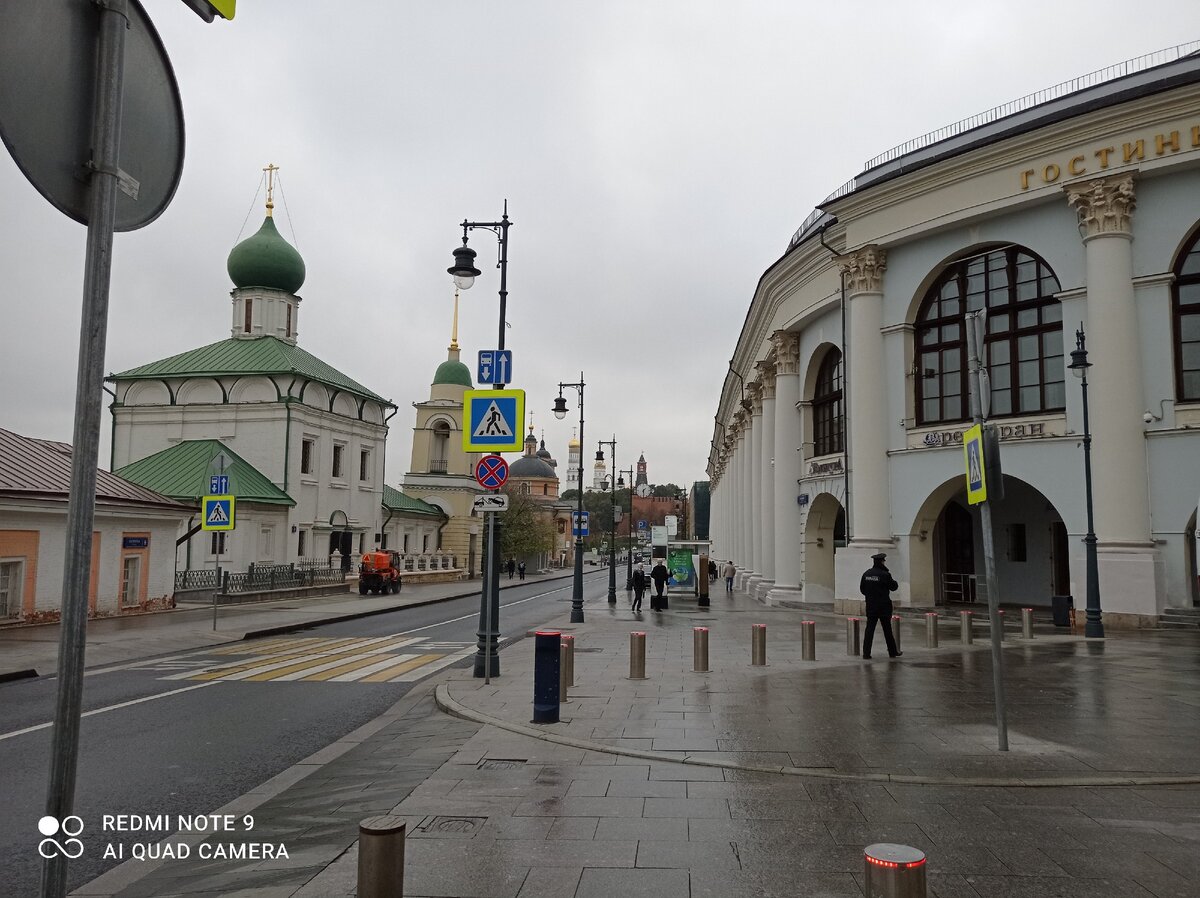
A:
(973, 454)
(218, 513)
(492, 420)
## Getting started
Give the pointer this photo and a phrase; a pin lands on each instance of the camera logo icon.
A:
(71, 826)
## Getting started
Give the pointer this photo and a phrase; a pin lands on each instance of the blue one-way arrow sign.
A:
(495, 366)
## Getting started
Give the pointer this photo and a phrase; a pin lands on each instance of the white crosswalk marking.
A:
(396, 658)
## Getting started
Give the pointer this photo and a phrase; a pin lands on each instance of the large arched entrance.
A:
(1030, 541)
(824, 534)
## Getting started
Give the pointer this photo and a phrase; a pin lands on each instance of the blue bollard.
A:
(546, 649)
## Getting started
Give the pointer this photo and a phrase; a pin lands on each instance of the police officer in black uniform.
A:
(877, 585)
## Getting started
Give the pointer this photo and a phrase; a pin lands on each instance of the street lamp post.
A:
(612, 517)
(628, 526)
(560, 412)
(1094, 626)
(464, 272)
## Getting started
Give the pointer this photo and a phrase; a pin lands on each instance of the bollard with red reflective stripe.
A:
(758, 645)
(547, 676)
(931, 631)
(893, 871)
(1027, 623)
(1000, 612)
(965, 623)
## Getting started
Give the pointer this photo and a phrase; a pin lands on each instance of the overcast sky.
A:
(656, 155)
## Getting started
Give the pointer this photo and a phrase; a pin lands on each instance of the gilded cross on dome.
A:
(270, 170)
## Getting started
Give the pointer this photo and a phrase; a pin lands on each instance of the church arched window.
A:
(1023, 342)
(828, 411)
(439, 446)
(1185, 304)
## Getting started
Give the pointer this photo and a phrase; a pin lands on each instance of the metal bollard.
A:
(853, 635)
(381, 857)
(808, 640)
(896, 630)
(562, 673)
(637, 655)
(547, 676)
(758, 645)
(931, 631)
(1027, 623)
(967, 634)
(1000, 617)
(569, 644)
(894, 871)
(700, 649)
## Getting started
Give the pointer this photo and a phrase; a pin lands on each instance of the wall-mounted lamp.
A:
(922, 535)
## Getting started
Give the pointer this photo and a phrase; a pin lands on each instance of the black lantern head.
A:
(463, 270)
(560, 407)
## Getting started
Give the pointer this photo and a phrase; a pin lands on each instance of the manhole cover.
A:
(501, 763)
(944, 665)
(451, 827)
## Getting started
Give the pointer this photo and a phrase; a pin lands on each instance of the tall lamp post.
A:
(464, 272)
(612, 517)
(1094, 626)
(628, 526)
(560, 412)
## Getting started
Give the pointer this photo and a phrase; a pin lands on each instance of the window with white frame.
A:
(339, 452)
(301, 543)
(12, 578)
(308, 450)
(364, 464)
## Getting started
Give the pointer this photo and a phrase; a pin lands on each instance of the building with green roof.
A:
(304, 442)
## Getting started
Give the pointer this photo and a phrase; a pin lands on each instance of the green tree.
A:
(523, 529)
(670, 490)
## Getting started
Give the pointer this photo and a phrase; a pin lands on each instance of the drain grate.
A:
(450, 827)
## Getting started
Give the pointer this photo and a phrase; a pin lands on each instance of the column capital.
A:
(766, 375)
(864, 269)
(787, 352)
(1104, 205)
(755, 391)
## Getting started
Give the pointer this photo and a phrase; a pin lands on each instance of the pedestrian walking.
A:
(639, 588)
(712, 571)
(659, 574)
(729, 572)
(512, 566)
(877, 585)
(521, 570)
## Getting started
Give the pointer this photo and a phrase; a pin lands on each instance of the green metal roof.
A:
(397, 501)
(453, 371)
(255, 355)
(182, 472)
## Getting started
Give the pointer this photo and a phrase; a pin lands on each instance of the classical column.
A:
(1125, 548)
(754, 390)
(766, 488)
(870, 518)
(739, 497)
(787, 533)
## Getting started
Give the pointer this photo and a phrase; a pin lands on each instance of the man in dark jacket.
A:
(659, 574)
(639, 588)
(877, 585)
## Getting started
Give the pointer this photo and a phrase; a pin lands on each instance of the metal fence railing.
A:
(195, 579)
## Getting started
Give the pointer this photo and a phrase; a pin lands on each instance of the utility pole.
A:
(981, 404)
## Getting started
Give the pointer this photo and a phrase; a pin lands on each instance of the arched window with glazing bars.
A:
(1024, 345)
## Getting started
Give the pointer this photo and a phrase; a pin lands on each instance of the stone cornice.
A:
(1104, 205)
(864, 269)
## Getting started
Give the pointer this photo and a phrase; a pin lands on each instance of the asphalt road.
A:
(189, 732)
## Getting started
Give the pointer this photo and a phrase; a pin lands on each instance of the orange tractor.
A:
(379, 572)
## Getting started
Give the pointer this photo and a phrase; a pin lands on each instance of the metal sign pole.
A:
(488, 578)
(974, 344)
(89, 378)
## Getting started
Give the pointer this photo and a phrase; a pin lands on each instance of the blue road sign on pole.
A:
(495, 366)
(642, 525)
(218, 484)
(579, 523)
(492, 420)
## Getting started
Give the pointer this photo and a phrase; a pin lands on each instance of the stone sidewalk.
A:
(752, 781)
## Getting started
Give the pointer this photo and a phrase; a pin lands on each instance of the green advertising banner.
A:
(679, 563)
